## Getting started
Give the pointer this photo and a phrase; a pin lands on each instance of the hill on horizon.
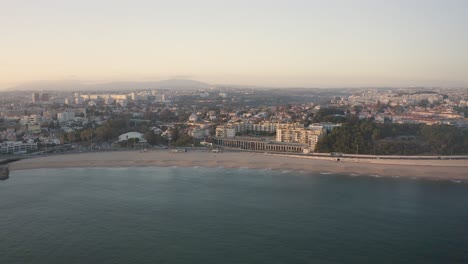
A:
(76, 85)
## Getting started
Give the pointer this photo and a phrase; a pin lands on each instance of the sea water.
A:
(201, 215)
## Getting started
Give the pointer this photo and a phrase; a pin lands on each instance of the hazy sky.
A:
(324, 43)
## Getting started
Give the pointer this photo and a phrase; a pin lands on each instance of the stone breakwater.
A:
(4, 172)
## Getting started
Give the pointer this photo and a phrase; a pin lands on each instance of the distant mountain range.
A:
(73, 85)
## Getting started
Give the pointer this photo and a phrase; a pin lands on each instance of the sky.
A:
(292, 43)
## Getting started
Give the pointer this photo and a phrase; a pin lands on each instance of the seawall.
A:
(4, 172)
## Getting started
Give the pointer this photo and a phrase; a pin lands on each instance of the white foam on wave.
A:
(456, 181)
(354, 175)
(375, 175)
(326, 173)
(285, 171)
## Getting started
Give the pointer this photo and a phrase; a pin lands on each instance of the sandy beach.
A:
(435, 169)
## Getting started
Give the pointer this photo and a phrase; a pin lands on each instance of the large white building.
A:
(242, 127)
(131, 136)
(9, 147)
(198, 132)
(64, 117)
(32, 119)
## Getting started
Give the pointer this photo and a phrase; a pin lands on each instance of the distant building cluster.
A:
(77, 98)
(286, 120)
(40, 98)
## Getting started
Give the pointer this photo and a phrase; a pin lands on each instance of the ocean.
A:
(217, 215)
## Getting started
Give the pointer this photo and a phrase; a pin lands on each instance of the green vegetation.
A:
(154, 139)
(181, 139)
(334, 115)
(367, 137)
(462, 110)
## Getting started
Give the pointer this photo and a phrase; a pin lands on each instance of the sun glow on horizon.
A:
(263, 43)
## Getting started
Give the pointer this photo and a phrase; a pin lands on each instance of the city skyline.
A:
(261, 43)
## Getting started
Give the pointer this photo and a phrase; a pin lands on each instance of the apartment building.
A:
(225, 132)
(10, 147)
(297, 133)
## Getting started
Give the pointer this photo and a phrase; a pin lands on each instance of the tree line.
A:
(366, 137)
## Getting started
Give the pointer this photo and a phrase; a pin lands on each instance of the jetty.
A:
(4, 170)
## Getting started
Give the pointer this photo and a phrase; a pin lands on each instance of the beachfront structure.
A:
(132, 136)
(11, 147)
(243, 126)
(292, 137)
(297, 133)
(260, 145)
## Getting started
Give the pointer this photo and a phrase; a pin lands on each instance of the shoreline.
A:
(428, 169)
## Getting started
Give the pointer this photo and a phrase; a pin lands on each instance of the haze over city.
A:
(261, 43)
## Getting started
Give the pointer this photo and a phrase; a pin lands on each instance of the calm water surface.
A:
(198, 215)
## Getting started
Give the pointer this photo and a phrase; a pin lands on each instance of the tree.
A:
(184, 140)
(334, 115)
(104, 133)
(423, 103)
(62, 138)
(153, 139)
(167, 115)
(86, 134)
(376, 134)
(175, 134)
(71, 137)
(394, 139)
